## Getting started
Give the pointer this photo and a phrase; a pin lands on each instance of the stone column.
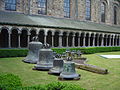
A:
(93, 43)
(110, 41)
(102, 41)
(9, 39)
(84, 40)
(19, 40)
(116, 41)
(67, 39)
(60, 39)
(119, 40)
(106, 41)
(78, 41)
(28, 40)
(73, 40)
(89, 41)
(113, 41)
(98, 40)
(45, 37)
(52, 39)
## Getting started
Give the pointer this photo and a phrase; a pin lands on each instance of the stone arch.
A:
(49, 37)
(64, 39)
(56, 39)
(91, 39)
(14, 38)
(70, 39)
(24, 38)
(112, 40)
(81, 38)
(76, 39)
(100, 39)
(96, 39)
(4, 38)
(105, 40)
(87, 39)
(32, 34)
(41, 36)
(115, 40)
(108, 40)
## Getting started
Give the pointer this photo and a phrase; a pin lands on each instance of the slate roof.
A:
(51, 22)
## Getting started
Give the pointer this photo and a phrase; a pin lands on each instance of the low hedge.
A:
(13, 82)
(88, 50)
(84, 50)
(13, 52)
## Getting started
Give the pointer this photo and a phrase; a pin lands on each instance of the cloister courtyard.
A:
(89, 80)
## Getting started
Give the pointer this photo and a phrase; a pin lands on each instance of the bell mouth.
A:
(29, 61)
(43, 67)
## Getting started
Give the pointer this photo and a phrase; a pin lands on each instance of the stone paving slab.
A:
(110, 56)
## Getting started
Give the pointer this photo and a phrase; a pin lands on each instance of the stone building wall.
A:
(55, 8)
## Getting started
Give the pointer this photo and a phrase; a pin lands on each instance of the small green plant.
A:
(9, 81)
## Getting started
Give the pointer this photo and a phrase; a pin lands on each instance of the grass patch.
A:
(88, 80)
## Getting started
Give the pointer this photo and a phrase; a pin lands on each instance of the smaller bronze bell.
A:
(34, 48)
(57, 66)
(45, 59)
(69, 71)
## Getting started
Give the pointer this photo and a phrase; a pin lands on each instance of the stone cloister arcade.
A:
(12, 37)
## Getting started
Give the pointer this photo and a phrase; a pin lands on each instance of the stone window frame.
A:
(67, 8)
(117, 7)
(9, 4)
(88, 10)
(106, 8)
(42, 6)
(103, 12)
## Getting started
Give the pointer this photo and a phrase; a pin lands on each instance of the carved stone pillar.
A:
(28, 39)
(102, 41)
(60, 39)
(93, 43)
(89, 41)
(73, 40)
(106, 40)
(84, 40)
(113, 41)
(52, 39)
(110, 41)
(45, 37)
(9, 39)
(19, 33)
(78, 41)
(67, 39)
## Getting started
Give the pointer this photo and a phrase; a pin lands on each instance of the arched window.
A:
(67, 8)
(88, 9)
(42, 5)
(10, 5)
(103, 10)
(115, 14)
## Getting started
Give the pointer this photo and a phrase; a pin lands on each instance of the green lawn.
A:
(88, 80)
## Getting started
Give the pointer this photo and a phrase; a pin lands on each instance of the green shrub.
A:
(13, 82)
(9, 81)
(13, 52)
(88, 50)
(84, 50)
(63, 86)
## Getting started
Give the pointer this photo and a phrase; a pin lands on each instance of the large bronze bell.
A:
(34, 48)
(57, 66)
(45, 59)
(69, 71)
